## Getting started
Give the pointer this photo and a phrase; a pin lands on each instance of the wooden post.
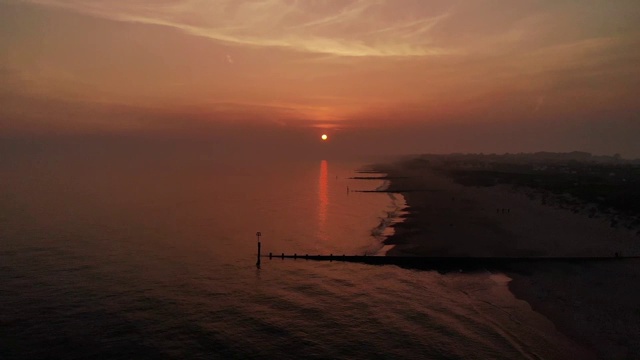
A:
(258, 234)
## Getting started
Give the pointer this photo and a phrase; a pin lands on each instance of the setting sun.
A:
(324, 137)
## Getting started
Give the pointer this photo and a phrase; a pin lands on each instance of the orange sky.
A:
(525, 68)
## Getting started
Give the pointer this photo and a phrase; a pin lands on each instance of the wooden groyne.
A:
(447, 263)
(377, 177)
(396, 191)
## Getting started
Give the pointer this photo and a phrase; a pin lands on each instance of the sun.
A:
(324, 137)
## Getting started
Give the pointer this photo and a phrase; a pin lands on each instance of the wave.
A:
(384, 186)
(384, 229)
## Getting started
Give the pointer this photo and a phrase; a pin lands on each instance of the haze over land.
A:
(379, 76)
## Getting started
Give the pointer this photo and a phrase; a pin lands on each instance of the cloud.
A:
(539, 103)
(352, 28)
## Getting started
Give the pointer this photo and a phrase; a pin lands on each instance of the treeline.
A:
(542, 156)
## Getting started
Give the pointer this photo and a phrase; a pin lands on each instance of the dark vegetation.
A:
(580, 181)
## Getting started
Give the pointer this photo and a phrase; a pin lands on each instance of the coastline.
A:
(394, 214)
(594, 304)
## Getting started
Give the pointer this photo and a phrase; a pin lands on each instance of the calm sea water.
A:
(129, 258)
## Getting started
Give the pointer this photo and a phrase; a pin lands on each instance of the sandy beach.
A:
(596, 304)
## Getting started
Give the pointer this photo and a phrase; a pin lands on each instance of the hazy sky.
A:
(414, 75)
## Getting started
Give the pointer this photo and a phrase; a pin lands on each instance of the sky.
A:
(387, 76)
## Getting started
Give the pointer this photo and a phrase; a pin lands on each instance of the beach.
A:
(595, 304)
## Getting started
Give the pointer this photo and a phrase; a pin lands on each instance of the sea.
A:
(132, 256)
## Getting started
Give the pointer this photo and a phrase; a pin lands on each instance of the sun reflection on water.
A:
(323, 199)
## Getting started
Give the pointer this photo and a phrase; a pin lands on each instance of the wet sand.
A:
(595, 304)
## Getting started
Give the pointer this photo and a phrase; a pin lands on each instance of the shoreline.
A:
(594, 304)
(394, 215)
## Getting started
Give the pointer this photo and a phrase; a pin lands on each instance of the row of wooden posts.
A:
(305, 256)
(282, 256)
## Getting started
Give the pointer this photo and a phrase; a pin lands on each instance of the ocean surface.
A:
(142, 257)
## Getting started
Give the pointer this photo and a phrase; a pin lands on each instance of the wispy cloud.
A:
(351, 28)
